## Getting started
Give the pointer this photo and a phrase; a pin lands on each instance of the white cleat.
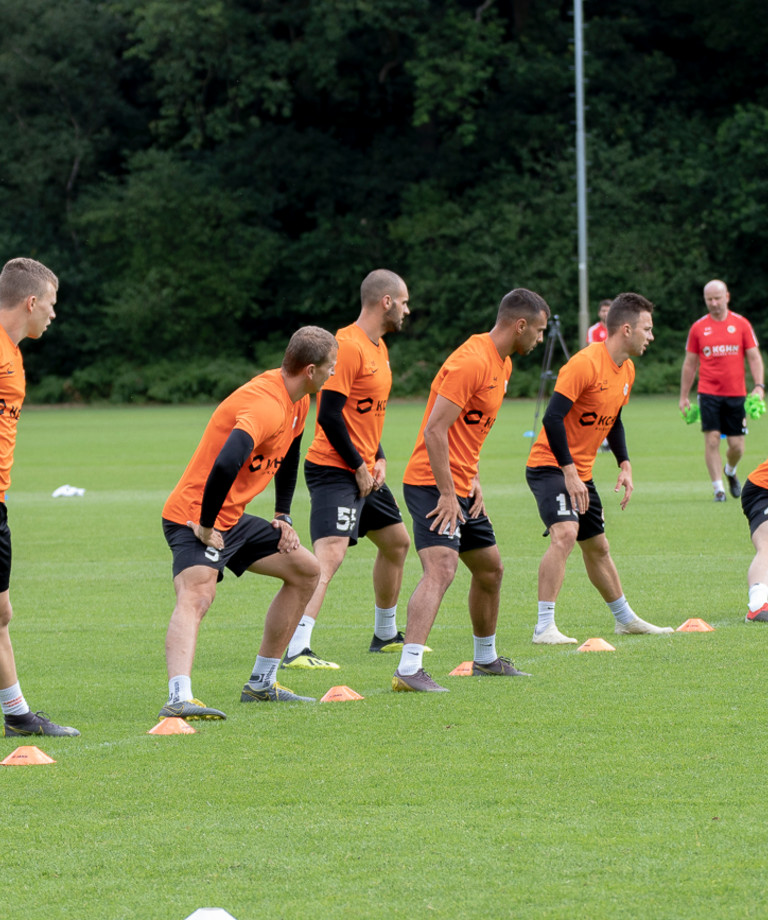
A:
(638, 627)
(551, 636)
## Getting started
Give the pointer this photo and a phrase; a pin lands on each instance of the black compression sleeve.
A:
(617, 440)
(330, 419)
(285, 477)
(226, 466)
(554, 425)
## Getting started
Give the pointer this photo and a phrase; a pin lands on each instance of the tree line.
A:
(207, 175)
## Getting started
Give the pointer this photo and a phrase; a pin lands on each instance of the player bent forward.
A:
(590, 391)
(443, 493)
(253, 437)
(754, 503)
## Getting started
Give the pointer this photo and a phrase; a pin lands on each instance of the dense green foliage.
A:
(206, 175)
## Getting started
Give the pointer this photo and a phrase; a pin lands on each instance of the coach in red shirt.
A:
(716, 348)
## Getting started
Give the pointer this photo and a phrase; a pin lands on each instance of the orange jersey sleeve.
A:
(598, 388)
(362, 375)
(475, 378)
(759, 476)
(12, 392)
(263, 409)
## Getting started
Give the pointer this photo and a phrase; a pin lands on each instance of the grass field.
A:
(608, 785)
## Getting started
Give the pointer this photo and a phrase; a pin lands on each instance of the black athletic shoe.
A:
(734, 486)
(35, 723)
(395, 644)
(501, 666)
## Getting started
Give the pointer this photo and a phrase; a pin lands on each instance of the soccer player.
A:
(27, 298)
(253, 437)
(443, 493)
(754, 503)
(599, 332)
(590, 391)
(345, 469)
(716, 347)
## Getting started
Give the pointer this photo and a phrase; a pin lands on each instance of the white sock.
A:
(302, 638)
(621, 610)
(411, 658)
(385, 622)
(717, 486)
(758, 595)
(546, 615)
(264, 671)
(179, 688)
(730, 470)
(485, 649)
(12, 701)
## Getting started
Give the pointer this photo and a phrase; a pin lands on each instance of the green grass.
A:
(608, 785)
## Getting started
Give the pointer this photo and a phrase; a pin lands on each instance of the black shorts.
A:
(723, 413)
(548, 486)
(251, 539)
(338, 510)
(474, 533)
(754, 504)
(5, 549)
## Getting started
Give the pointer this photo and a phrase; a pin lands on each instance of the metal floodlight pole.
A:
(581, 171)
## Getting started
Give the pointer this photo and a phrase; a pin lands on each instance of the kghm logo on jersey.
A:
(720, 351)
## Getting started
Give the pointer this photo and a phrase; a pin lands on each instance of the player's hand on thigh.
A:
(207, 535)
(289, 539)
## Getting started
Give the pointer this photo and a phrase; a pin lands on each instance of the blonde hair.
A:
(22, 278)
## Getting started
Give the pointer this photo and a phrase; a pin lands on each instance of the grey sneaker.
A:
(734, 486)
(274, 694)
(420, 681)
(639, 627)
(719, 496)
(503, 666)
(189, 709)
(35, 723)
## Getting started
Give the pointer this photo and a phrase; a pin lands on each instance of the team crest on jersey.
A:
(626, 388)
(731, 330)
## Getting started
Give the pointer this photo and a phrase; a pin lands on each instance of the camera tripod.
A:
(554, 335)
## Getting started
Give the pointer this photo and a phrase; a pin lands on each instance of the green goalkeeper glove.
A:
(754, 406)
(691, 415)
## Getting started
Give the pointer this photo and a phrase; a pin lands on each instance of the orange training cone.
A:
(172, 726)
(695, 625)
(596, 645)
(340, 694)
(463, 670)
(26, 756)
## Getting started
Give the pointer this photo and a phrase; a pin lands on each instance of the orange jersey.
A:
(12, 391)
(263, 409)
(475, 378)
(598, 388)
(759, 476)
(362, 375)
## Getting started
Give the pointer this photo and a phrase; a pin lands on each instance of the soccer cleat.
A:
(308, 660)
(35, 723)
(502, 666)
(551, 636)
(757, 616)
(395, 644)
(274, 694)
(638, 627)
(189, 709)
(419, 682)
(734, 486)
(719, 496)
